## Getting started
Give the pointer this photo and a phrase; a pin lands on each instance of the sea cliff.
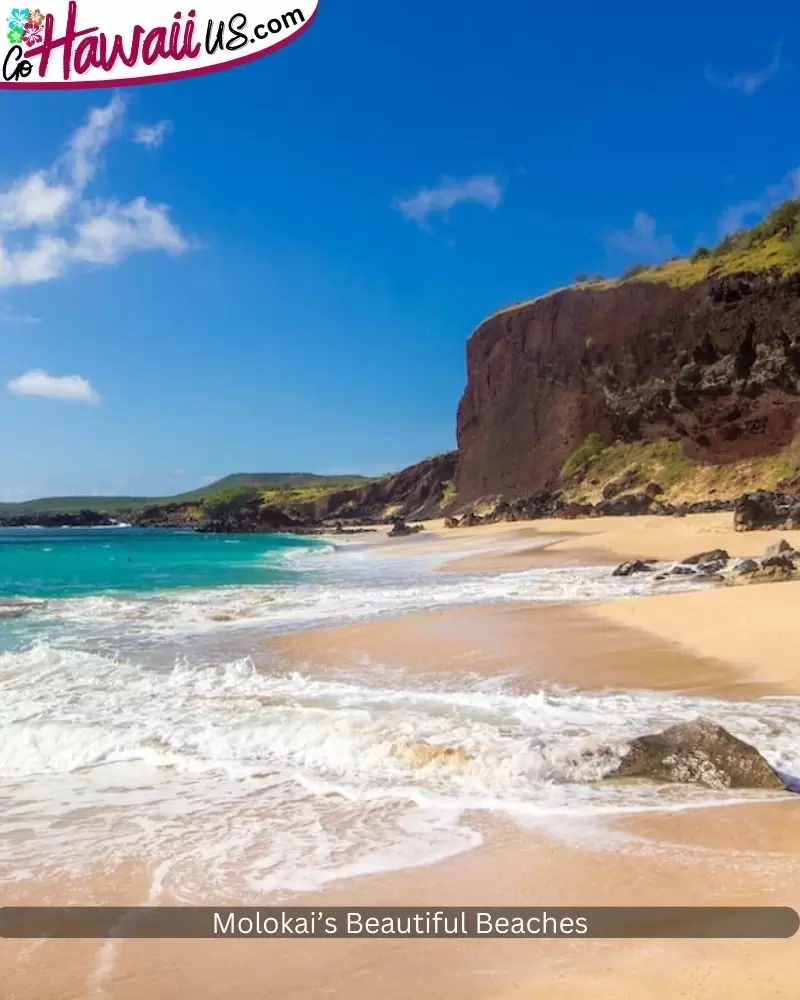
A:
(714, 366)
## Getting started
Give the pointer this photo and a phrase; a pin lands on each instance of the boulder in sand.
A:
(775, 569)
(400, 529)
(698, 753)
(745, 567)
(703, 558)
(763, 510)
(779, 548)
(634, 566)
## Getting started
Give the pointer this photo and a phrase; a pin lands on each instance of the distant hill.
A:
(267, 481)
(272, 481)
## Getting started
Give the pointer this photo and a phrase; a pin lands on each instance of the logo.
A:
(93, 43)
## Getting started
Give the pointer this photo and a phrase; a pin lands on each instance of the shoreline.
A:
(758, 648)
(665, 642)
(727, 854)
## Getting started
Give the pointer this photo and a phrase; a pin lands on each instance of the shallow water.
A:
(139, 720)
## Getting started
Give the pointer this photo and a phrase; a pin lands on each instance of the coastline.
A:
(750, 630)
(734, 854)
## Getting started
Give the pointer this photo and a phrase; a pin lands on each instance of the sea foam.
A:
(269, 780)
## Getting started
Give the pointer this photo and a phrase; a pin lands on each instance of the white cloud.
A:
(743, 213)
(120, 229)
(747, 83)
(74, 388)
(642, 240)
(33, 201)
(82, 158)
(152, 135)
(48, 225)
(480, 190)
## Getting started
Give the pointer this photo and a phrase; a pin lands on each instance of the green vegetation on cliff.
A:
(230, 502)
(629, 467)
(773, 244)
(583, 456)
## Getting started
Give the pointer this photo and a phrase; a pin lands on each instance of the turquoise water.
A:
(38, 563)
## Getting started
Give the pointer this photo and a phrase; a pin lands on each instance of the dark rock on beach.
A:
(775, 569)
(763, 511)
(400, 529)
(698, 753)
(779, 548)
(635, 566)
(625, 505)
(745, 567)
(681, 569)
(704, 558)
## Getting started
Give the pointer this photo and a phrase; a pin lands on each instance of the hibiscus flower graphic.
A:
(33, 34)
(15, 36)
(36, 17)
(19, 18)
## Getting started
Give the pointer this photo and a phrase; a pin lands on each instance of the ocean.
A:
(144, 719)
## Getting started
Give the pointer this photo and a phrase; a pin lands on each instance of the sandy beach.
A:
(752, 628)
(725, 643)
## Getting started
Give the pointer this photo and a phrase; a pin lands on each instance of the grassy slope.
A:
(276, 486)
(767, 252)
(682, 480)
(772, 253)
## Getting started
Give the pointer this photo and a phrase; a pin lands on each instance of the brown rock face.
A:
(698, 753)
(762, 511)
(414, 493)
(716, 365)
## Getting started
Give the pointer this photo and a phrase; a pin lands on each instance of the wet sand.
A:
(735, 855)
(709, 857)
(575, 646)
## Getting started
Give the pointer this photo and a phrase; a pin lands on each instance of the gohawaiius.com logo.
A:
(97, 43)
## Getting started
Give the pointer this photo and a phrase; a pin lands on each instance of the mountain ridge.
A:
(116, 504)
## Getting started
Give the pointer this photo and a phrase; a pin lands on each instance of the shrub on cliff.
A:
(633, 271)
(229, 503)
(448, 492)
(591, 448)
(783, 222)
(700, 253)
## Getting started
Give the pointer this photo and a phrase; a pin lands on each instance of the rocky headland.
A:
(715, 366)
(674, 390)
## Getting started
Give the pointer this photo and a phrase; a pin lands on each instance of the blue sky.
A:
(283, 275)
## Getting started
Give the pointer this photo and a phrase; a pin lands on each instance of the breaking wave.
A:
(278, 781)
